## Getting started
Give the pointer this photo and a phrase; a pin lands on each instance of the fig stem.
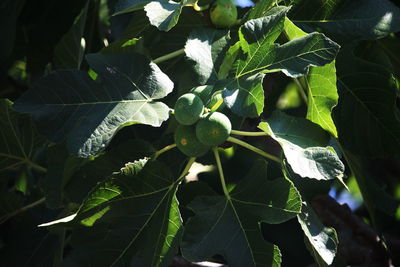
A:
(187, 168)
(200, 8)
(36, 166)
(301, 90)
(244, 133)
(165, 149)
(221, 172)
(254, 149)
(217, 105)
(169, 56)
(22, 209)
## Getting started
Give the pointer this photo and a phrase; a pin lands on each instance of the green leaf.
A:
(61, 167)
(9, 13)
(260, 9)
(245, 95)
(321, 88)
(164, 14)
(322, 96)
(367, 117)
(376, 199)
(69, 52)
(323, 240)
(348, 20)
(43, 26)
(229, 226)
(132, 217)
(206, 49)
(18, 138)
(389, 46)
(96, 170)
(126, 6)
(301, 142)
(89, 113)
(134, 45)
(293, 58)
(243, 92)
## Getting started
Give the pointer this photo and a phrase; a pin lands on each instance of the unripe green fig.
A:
(187, 142)
(213, 128)
(188, 109)
(223, 13)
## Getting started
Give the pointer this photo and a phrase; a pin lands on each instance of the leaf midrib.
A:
(101, 102)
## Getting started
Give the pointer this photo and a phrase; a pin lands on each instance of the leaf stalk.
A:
(165, 149)
(244, 133)
(187, 168)
(169, 56)
(221, 172)
(254, 149)
(20, 210)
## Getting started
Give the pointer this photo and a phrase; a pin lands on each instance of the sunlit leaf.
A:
(205, 48)
(321, 88)
(302, 145)
(322, 239)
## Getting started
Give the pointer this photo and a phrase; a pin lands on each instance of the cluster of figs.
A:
(199, 129)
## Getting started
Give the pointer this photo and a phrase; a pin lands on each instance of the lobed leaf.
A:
(229, 225)
(321, 88)
(18, 138)
(69, 104)
(132, 218)
(367, 117)
(298, 139)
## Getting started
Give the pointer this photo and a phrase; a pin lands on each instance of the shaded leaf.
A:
(367, 117)
(132, 218)
(229, 225)
(96, 170)
(28, 245)
(206, 48)
(9, 13)
(69, 52)
(89, 113)
(126, 6)
(44, 26)
(376, 199)
(300, 141)
(18, 138)
(61, 167)
(323, 240)
(348, 20)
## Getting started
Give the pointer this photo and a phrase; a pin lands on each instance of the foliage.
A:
(88, 130)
